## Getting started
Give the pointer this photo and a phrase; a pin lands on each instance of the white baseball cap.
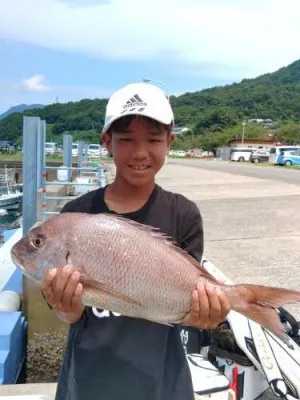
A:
(142, 99)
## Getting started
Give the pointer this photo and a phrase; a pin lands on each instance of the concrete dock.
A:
(251, 224)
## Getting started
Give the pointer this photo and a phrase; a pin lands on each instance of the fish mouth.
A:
(20, 264)
(16, 260)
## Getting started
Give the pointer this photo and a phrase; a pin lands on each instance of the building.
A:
(179, 130)
(258, 143)
(266, 123)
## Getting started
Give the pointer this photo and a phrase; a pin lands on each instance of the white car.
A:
(94, 150)
(104, 152)
(74, 149)
(50, 148)
(177, 153)
(180, 153)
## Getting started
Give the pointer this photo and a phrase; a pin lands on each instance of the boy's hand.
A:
(209, 307)
(63, 291)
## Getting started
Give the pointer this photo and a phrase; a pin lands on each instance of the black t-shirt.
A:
(114, 357)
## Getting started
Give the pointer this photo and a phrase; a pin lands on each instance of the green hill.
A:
(20, 108)
(274, 95)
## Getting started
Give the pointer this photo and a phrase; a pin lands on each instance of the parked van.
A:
(241, 154)
(277, 150)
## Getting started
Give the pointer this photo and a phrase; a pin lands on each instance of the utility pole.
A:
(243, 133)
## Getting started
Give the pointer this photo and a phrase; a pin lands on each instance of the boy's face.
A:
(139, 151)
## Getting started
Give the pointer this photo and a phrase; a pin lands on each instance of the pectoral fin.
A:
(88, 282)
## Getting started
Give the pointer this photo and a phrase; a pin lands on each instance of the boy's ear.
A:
(171, 138)
(106, 139)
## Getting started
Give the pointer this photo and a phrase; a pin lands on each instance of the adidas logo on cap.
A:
(135, 101)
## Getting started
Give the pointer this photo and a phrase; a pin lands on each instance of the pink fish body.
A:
(134, 269)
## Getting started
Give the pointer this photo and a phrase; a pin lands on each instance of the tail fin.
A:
(259, 303)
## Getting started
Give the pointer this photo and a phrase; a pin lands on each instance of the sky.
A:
(67, 50)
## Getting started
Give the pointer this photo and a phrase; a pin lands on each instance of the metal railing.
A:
(98, 175)
(36, 200)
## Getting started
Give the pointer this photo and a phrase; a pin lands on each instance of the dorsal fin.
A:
(159, 235)
(138, 225)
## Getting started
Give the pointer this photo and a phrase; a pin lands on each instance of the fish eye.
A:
(37, 242)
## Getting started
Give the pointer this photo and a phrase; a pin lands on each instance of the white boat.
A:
(10, 197)
(8, 200)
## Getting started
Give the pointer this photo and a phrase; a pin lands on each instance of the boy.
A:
(109, 356)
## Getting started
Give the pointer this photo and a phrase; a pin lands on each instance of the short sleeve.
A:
(193, 236)
(193, 242)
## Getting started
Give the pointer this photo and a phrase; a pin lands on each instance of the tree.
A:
(210, 141)
(215, 120)
(251, 131)
(289, 133)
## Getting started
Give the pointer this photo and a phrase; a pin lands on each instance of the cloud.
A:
(249, 37)
(36, 86)
(35, 83)
(12, 94)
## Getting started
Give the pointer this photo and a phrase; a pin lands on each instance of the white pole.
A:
(243, 134)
